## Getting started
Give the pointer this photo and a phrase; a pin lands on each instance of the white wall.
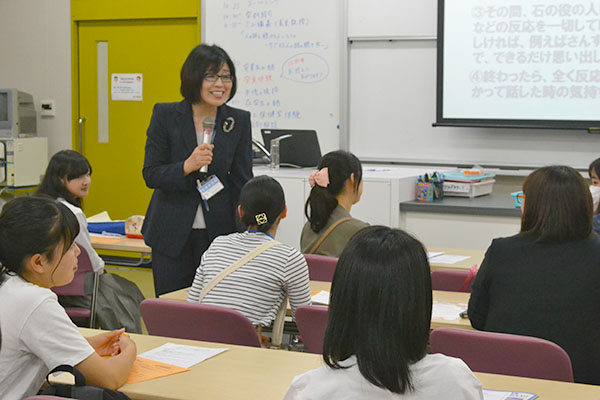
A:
(35, 57)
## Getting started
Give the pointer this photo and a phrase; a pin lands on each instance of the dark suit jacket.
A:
(548, 291)
(171, 138)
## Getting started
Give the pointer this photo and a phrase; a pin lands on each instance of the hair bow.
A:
(319, 178)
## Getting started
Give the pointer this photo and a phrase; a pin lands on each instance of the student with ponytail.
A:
(37, 252)
(258, 288)
(336, 186)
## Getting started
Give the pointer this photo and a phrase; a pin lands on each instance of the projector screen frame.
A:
(589, 126)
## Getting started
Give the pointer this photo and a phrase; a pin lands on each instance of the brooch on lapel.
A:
(228, 124)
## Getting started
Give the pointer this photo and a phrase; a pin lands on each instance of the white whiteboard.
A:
(287, 55)
(392, 18)
(393, 105)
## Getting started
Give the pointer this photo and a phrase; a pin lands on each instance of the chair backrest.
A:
(77, 288)
(180, 319)
(501, 353)
(312, 322)
(453, 280)
(320, 268)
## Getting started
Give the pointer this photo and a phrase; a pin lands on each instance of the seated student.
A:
(67, 179)
(336, 187)
(258, 288)
(543, 282)
(376, 338)
(594, 172)
(37, 251)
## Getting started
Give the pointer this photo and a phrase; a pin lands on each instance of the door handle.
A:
(80, 134)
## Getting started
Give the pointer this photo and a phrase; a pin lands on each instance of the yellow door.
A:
(114, 131)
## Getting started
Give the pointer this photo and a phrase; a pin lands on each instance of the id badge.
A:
(210, 187)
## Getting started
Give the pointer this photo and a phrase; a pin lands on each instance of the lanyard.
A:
(257, 231)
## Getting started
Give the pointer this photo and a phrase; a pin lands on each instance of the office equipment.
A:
(300, 148)
(503, 353)
(17, 114)
(23, 161)
(288, 54)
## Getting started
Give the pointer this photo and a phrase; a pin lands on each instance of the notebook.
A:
(300, 150)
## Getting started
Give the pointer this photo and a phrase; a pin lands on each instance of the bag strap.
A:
(278, 323)
(327, 233)
(79, 377)
(236, 265)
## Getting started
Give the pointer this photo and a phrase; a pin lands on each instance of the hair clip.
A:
(319, 178)
(228, 124)
(261, 219)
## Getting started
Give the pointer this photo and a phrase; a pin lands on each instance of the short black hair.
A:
(33, 225)
(558, 205)
(66, 164)
(322, 201)
(380, 307)
(262, 201)
(204, 59)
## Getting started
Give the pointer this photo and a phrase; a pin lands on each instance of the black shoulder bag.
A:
(80, 390)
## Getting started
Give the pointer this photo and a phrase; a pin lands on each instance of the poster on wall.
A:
(126, 87)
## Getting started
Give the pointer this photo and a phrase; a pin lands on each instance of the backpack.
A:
(80, 390)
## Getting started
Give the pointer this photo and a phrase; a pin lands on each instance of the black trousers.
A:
(172, 274)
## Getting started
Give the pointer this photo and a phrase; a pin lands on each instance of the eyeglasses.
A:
(214, 77)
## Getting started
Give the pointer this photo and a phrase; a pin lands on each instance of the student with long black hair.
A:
(376, 338)
(336, 186)
(258, 288)
(37, 252)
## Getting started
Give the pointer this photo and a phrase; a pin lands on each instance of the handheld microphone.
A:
(208, 125)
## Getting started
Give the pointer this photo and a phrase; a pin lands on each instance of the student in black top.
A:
(543, 282)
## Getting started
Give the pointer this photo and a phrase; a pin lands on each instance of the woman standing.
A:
(543, 282)
(179, 224)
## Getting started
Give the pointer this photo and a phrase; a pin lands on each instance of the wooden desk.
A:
(181, 294)
(475, 257)
(251, 373)
(438, 295)
(547, 390)
(123, 244)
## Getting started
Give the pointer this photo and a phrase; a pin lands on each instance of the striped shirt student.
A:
(257, 288)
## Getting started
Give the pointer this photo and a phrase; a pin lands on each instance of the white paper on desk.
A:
(433, 254)
(181, 355)
(321, 298)
(447, 311)
(102, 217)
(489, 394)
(449, 259)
